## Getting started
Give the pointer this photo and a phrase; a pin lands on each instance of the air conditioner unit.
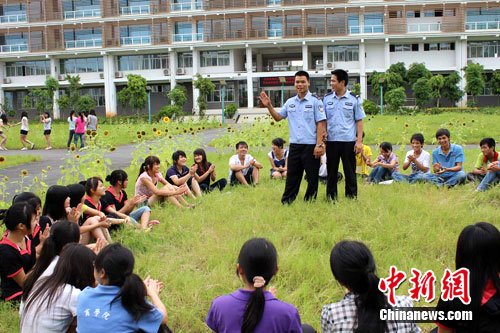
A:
(181, 71)
(118, 75)
(7, 80)
(329, 65)
(166, 72)
(101, 76)
(60, 77)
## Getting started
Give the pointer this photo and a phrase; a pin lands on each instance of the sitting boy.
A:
(363, 160)
(243, 168)
(487, 156)
(418, 159)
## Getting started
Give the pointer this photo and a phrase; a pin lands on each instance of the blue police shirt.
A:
(302, 117)
(342, 114)
(455, 155)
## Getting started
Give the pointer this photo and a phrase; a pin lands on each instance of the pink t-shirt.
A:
(141, 189)
(79, 125)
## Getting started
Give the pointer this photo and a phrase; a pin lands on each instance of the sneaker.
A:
(387, 182)
(24, 148)
(48, 148)
(2, 148)
(32, 146)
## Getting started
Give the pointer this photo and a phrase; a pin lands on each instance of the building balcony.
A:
(180, 38)
(275, 33)
(487, 25)
(82, 13)
(84, 43)
(13, 18)
(367, 30)
(282, 68)
(186, 6)
(135, 40)
(423, 27)
(136, 10)
(273, 2)
(14, 48)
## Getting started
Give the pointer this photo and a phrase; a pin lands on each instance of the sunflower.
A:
(154, 129)
(166, 120)
(5, 179)
(98, 161)
(49, 167)
(139, 136)
(2, 159)
(106, 133)
(143, 132)
(406, 125)
(77, 156)
(112, 149)
(72, 148)
(158, 132)
(94, 133)
(89, 132)
(24, 173)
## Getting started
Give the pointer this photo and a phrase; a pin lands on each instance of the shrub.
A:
(395, 99)
(370, 107)
(171, 111)
(230, 110)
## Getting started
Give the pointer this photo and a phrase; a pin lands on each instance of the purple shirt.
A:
(226, 314)
(391, 158)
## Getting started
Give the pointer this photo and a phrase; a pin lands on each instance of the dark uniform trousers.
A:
(300, 158)
(336, 150)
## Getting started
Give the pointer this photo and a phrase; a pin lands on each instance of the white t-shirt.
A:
(235, 160)
(47, 122)
(424, 159)
(55, 319)
(24, 124)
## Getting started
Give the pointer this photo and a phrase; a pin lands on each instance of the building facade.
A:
(243, 46)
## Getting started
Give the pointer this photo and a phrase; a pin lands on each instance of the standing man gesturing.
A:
(306, 120)
(345, 134)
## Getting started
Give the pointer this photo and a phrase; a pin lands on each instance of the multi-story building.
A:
(243, 46)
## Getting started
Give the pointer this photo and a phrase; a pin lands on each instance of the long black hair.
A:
(204, 161)
(54, 202)
(118, 264)
(74, 267)
(258, 257)
(148, 163)
(18, 213)
(4, 118)
(91, 185)
(353, 266)
(478, 247)
(76, 193)
(61, 233)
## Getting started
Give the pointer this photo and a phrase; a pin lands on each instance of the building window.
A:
(413, 14)
(374, 23)
(81, 65)
(396, 14)
(215, 96)
(343, 53)
(160, 88)
(488, 49)
(439, 46)
(27, 68)
(403, 47)
(96, 93)
(185, 60)
(214, 58)
(142, 62)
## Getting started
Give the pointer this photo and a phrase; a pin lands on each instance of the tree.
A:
(421, 91)
(495, 83)
(474, 80)
(390, 81)
(436, 83)
(417, 71)
(395, 98)
(205, 86)
(85, 103)
(42, 99)
(399, 68)
(69, 101)
(134, 94)
(178, 96)
(451, 90)
(356, 89)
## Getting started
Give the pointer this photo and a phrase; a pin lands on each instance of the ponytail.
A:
(369, 303)
(142, 168)
(133, 296)
(47, 254)
(253, 311)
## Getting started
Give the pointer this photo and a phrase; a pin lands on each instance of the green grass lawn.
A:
(13, 160)
(194, 252)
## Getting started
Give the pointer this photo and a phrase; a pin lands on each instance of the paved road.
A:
(120, 158)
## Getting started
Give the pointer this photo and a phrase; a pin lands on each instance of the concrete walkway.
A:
(120, 158)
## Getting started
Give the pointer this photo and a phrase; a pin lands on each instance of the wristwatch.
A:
(321, 145)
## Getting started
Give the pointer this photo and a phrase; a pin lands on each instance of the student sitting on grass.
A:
(487, 156)
(146, 185)
(51, 304)
(278, 158)
(179, 174)
(447, 162)
(491, 178)
(38, 236)
(205, 173)
(477, 250)
(120, 297)
(353, 266)
(385, 164)
(417, 158)
(243, 168)
(116, 204)
(363, 160)
(253, 309)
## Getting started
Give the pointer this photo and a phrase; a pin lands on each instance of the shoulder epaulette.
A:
(352, 94)
(330, 93)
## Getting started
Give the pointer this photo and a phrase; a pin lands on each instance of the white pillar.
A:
(305, 57)
(109, 85)
(387, 55)
(461, 62)
(172, 59)
(249, 77)
(2, 75)
(325, 57)
(54, 72)
(362, 69)
(196, 92)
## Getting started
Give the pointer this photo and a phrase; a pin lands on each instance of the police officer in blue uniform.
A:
(306, 120)
(345, 133)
